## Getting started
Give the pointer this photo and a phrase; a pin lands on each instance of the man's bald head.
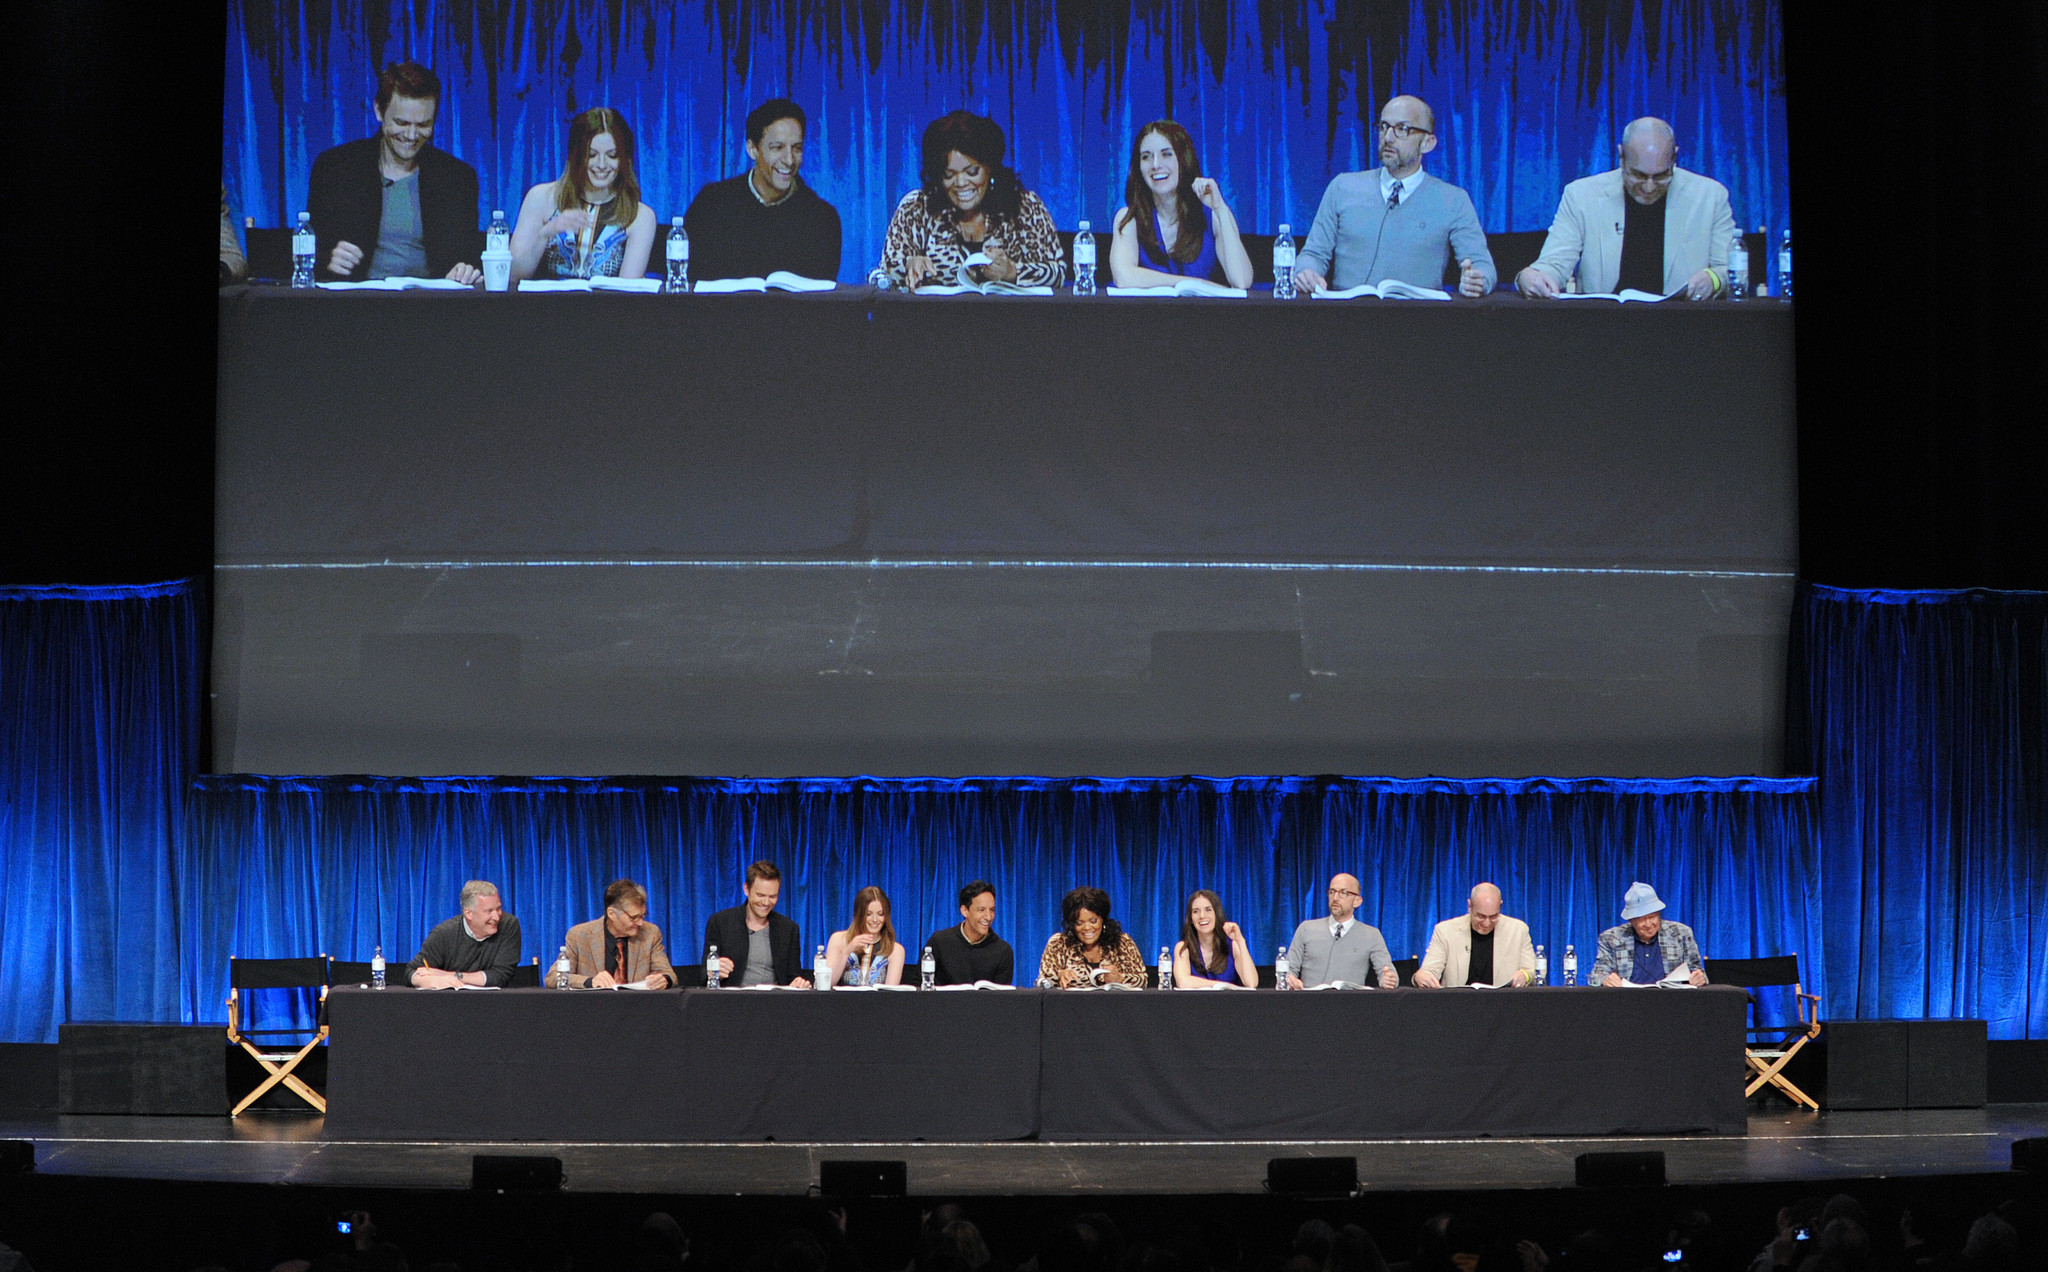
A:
(1412, 109)
(1647, 155)
(1484, 907)
(1402, 155)
(1343, 897)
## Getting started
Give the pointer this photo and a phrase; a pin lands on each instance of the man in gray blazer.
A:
(1480, 947)
(1395, 221)
(1340, 947)
(1648, 225)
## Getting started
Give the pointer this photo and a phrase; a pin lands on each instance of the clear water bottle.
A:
(821, 970)
(1542, 967)
(1166, 967)
(1280, 969)
(562, 969)
(1785, 265)
(1283, 264)
(302, 251)
(711, 967)
(499, 237)
(1571, 966)
(927, 969)
(377, 968)
(1738, 269)
(678, 280)
(1084, 261)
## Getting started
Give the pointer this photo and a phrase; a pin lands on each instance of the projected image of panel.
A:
(866, 527)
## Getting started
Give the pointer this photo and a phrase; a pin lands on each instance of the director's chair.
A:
(253, 974)
(1768, 1048)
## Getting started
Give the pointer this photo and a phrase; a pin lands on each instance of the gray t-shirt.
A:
(760, 961)
(401, 247)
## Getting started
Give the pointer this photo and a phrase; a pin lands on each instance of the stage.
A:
(1780, 1147)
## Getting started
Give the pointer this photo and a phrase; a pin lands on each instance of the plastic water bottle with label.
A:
(1542, 967)
(1166, 967)
(821, 971)
(927, 969)
(1738, 269)
(1084, 261)
(562, 969)
(377, 968)
(499, 237)
(1280, 969)
(302, 251)
(1785, 265)
(1283, 264)
(711, 967)
(678, 280)
(1571, 966)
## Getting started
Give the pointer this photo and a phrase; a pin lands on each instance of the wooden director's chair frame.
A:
(277, 1062)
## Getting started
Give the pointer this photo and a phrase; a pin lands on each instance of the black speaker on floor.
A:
(18, 1157)
(1312, 1176)
(2031, 1155)
(1620, 1170)
(863, 1179)
(515, 1174)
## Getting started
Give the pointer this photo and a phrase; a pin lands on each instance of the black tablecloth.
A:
(1365, 1065)
(721, 1065)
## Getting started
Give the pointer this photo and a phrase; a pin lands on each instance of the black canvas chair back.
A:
(277, 973)
(1405, 968)
(1754, 973)
(347, 973)
(1771, 1046)
(691, 976)
(269, 252)
(526, 975)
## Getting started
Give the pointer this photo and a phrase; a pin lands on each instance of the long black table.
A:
(726, 1065)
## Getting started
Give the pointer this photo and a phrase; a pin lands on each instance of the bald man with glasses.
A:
(622, 949)
(1480, 947)
(1340, 948)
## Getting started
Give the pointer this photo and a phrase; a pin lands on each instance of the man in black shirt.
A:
(479, 946)
(971, 951)
(766, 219)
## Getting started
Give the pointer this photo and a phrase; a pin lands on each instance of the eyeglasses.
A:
(1342, 892)
(1402, 131)
(627, 915)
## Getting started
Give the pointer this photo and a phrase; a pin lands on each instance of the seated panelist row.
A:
(393, 205)
(756, 945)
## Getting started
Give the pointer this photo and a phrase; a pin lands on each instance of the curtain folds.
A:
(1907, 872)
(1926, 716)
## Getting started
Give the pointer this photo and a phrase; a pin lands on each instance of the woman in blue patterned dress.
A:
(591, 220)
(867, 952)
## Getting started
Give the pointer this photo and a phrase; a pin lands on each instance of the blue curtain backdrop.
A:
(1926, 715)
(1908, 875)
(1529, 94)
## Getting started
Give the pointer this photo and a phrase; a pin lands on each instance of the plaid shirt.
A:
(1617, 951)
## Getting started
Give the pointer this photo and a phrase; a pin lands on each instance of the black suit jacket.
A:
(727, 929)
(346, 199)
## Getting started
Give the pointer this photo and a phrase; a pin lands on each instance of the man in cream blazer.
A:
(1587, 236)
(1449, 960)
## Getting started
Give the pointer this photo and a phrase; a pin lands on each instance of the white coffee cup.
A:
(497, 271)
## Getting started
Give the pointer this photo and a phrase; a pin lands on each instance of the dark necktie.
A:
(1394, 197)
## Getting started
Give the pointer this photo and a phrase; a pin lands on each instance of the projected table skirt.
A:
(730, 1065)
(788, 535)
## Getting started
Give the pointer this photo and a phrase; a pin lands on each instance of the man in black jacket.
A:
(757, 946)
(391, 205)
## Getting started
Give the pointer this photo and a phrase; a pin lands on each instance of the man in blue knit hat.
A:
(1646, 948)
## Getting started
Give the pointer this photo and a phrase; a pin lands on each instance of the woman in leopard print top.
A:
(970, 202)
(1090, 947)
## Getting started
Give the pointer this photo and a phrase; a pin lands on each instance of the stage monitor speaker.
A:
(1312, 1176)
(863, 1179)
(1620, 1170)
(515, 1174)
(2031, 1154)
(18, 1157)
(142, 1070)
(1906, 1064)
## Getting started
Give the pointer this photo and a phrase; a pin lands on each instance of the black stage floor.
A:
(1780, 1147)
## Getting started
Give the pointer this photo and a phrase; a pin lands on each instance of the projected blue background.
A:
(1529, 94)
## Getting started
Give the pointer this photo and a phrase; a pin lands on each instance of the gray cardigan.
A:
(1318, 958)
(1434, 225)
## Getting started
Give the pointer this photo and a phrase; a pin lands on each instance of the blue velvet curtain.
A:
(99, 737)
(1926, 716)
(1909, 874)
(1529, 94)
